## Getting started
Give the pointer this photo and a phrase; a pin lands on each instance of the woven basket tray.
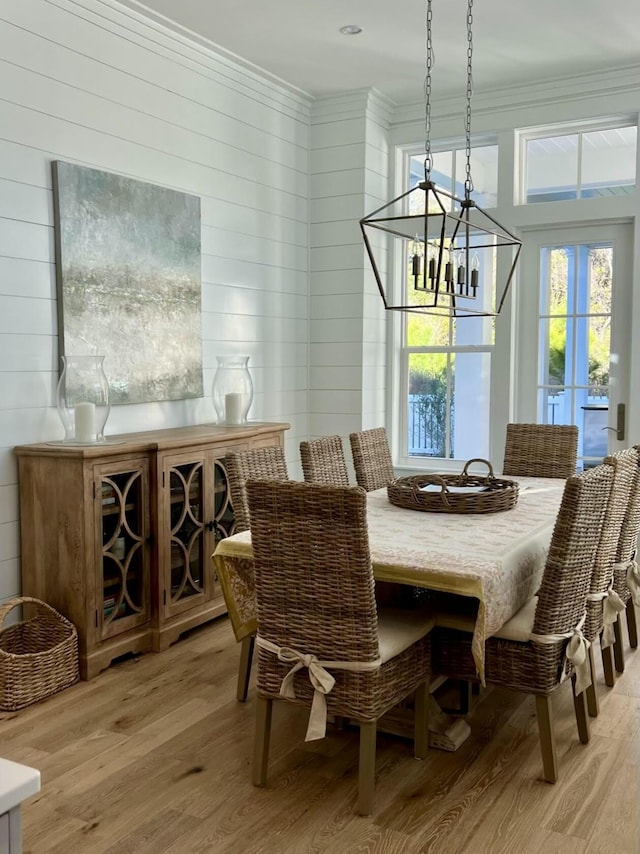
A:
(496, 493)
(38, 656)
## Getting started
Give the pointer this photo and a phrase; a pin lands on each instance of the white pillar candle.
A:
(233, 408)
(85, 421)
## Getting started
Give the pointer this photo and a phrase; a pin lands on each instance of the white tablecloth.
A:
(496, 557)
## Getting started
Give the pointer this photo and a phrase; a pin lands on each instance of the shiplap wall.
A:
(92, 83)
(349, 177)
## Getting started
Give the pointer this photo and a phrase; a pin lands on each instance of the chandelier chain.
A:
(468, 184)
(428, 162)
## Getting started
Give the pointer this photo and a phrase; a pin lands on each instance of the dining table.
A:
(496, 558)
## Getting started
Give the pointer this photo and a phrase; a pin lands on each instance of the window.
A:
(447, 363)
(449, 172)
(580, 165)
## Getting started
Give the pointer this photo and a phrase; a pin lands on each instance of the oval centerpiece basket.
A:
(455, 493)
(38, 656)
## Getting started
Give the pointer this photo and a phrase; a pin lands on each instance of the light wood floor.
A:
(154, 756)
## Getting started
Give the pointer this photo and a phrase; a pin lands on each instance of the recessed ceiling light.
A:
(350, 30)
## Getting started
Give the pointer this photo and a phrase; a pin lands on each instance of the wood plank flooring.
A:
(154, 756)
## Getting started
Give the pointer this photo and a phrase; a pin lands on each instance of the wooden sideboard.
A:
(118, 536)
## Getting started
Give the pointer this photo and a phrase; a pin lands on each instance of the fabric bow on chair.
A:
(320, 678)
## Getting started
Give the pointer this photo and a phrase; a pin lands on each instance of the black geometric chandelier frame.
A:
(454, 250)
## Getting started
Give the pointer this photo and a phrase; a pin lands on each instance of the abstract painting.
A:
(128, 281)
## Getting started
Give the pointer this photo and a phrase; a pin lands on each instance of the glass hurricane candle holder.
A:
(232, 389)
(83, 399)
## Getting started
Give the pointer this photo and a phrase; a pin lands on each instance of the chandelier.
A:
(455, 258)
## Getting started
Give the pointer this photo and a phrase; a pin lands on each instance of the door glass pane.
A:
(556, 296)
(574, 342)
(553, 337)
(601, 280)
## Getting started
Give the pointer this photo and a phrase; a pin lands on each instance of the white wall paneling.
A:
(90, 82)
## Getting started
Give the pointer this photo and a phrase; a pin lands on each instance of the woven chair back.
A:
(372, 458)
(541, 450)
(313, 573)
(624, 464)
(323, 461)
(256, 464)
(575, 541)
(630, 530)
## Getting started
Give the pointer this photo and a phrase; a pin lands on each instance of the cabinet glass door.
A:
(188, 575)
(223, 511)
(122, 501)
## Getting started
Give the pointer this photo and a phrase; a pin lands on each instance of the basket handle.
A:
(465, 474)
(438, 481)
(10, 604)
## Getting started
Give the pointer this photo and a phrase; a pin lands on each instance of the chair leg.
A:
(607, 665)
(618, 648)
(244, 671)
(421, 721)
(582, 718)
(632, 625)
(547, 743)
(466, 692)
(367, 767)
(592, 692)
(264, 708)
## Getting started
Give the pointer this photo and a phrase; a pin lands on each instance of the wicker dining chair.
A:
(624, 464)
(323, 461)
(529, 652)
(541, 450)
(625, 562)
(236, 579)
(372, 458)
(317, 610)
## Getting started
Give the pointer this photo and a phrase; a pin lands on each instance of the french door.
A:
(574, 333)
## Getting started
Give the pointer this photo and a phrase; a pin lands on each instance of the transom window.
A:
(580, 165)
(449, 172)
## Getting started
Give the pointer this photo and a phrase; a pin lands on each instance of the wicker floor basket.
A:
(38, 656)
(455, 493)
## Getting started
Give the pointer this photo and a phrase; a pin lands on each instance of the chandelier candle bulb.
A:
(85, 421)
(233, 408)
(415, 266)
(448, 272)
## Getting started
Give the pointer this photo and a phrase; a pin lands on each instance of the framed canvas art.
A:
(128, 281)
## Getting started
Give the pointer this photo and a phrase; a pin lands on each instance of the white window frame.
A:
(397, 403)
(525, 135)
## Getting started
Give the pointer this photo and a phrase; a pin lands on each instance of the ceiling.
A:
(299, 41)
